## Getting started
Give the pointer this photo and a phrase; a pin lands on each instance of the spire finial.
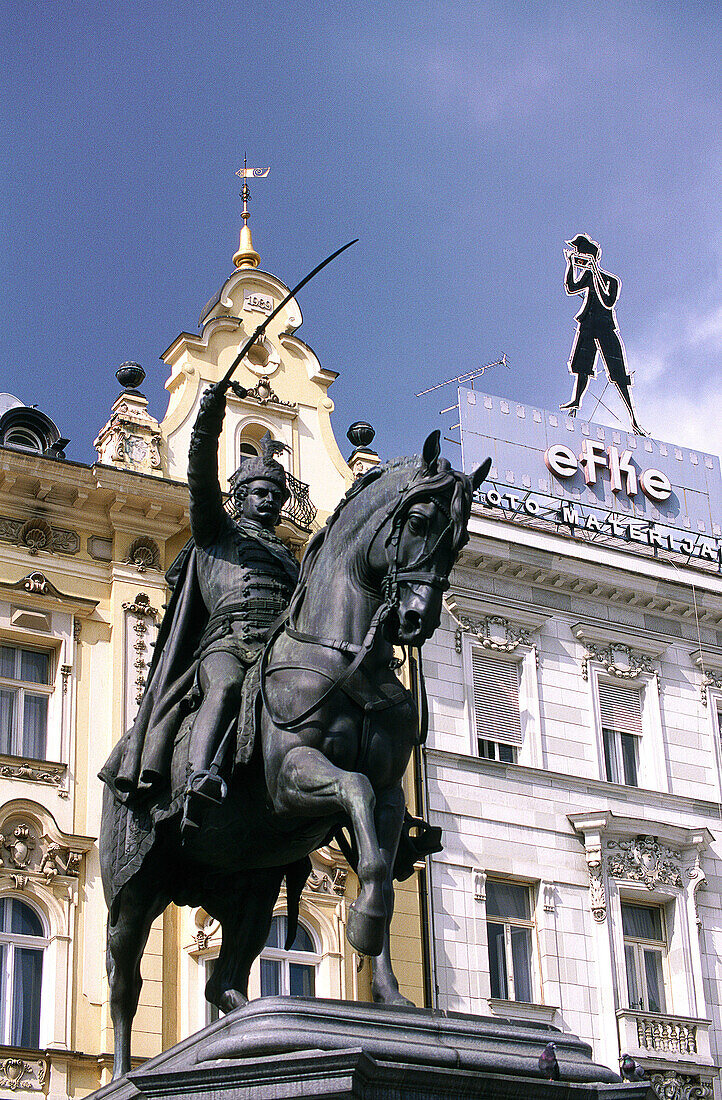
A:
(246, 256)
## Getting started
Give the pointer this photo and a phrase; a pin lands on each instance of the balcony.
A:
(652, 1035)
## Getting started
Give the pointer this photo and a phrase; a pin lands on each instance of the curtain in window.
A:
(503, 899)
(642, 922)
(35, 725)
(7, 662)
(7, 721)
(497, 961)
(270, 978)
(28, 973)
(301, 980)
(34, 666)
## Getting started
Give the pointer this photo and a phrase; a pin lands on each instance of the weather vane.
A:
(247, 173)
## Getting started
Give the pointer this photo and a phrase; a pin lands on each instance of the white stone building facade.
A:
(574, 764)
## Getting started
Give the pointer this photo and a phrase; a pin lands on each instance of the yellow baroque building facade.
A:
(82, 587)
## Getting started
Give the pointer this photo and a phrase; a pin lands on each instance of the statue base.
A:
(278, 1048)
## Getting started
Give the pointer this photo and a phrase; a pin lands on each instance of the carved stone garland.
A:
(142, 609)
(671, 1085)
(644, 859)
(36, 773)
(619, 660)
(494, 632)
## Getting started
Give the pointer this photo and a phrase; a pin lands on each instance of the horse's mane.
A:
(437, 481)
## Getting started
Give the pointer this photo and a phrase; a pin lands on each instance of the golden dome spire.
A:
(246, 256)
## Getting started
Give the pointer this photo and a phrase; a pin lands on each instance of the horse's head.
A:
(416, 545)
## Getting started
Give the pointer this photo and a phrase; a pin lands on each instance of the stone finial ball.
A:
(361, 434)
(130, 375)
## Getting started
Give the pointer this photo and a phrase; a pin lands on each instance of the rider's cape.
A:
(140, 762)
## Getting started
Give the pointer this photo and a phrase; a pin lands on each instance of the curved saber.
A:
(264, 324)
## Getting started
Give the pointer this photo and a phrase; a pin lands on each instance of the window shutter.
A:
(496, 698)
(620, 707)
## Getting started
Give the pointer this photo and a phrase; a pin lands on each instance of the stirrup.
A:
(203, 786)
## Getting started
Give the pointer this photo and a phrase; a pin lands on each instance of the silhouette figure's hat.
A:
(585, 245)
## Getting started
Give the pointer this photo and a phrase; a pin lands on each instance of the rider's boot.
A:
(202, 789)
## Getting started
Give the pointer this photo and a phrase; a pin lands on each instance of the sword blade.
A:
(291, 294)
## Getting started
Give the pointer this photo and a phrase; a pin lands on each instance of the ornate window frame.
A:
(613, 657)
(506, 638)
(34, 613)
(648, 862)
(42, 865)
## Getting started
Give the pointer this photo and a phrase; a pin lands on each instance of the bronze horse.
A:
(336, 729)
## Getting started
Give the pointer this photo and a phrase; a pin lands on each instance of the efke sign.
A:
(593, 478)
(562, 462)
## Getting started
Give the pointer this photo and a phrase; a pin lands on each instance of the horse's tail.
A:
(296, 875)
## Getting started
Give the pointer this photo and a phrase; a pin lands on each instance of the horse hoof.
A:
(231, 999)
(396, 999)
(365, 931)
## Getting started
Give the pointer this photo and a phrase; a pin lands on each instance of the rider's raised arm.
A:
(206, 500)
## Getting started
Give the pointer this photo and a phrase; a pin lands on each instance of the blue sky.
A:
(461, 142)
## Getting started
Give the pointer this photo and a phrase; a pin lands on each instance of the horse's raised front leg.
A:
(308, 784)
(390, 808)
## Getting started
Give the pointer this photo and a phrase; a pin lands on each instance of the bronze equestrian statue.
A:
(328, 738)
(219, 792)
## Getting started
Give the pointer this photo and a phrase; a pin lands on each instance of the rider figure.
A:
(246, 577)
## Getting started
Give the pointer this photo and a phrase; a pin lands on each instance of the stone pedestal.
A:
(279, 1048)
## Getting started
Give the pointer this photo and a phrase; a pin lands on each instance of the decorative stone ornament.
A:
(495, 633)
(672, 1085)
(23, 1073)
(37, 534)
(144, 553)
(19, 845)
(37, 848)
(597, 895)
(645, 860)
(619, 660)
(132, 438)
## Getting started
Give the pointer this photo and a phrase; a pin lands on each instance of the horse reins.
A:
(394, 576)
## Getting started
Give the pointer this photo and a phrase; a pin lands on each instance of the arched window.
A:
(288, 973)
(22, 944)
(249, 449)
(24, 438)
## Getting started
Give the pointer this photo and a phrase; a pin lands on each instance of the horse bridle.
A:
(394, 577)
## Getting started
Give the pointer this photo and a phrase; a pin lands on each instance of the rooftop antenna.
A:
(468, 377)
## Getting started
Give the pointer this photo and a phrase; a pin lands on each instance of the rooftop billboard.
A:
(590, 477)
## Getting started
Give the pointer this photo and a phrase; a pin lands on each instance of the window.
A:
(22, 942)
(213, 1012)
(249, 449)
(509, 927)
(621, 713)
(644, 949)
(289, 973)
(25, 690)
(496, 706)
(495, 750)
